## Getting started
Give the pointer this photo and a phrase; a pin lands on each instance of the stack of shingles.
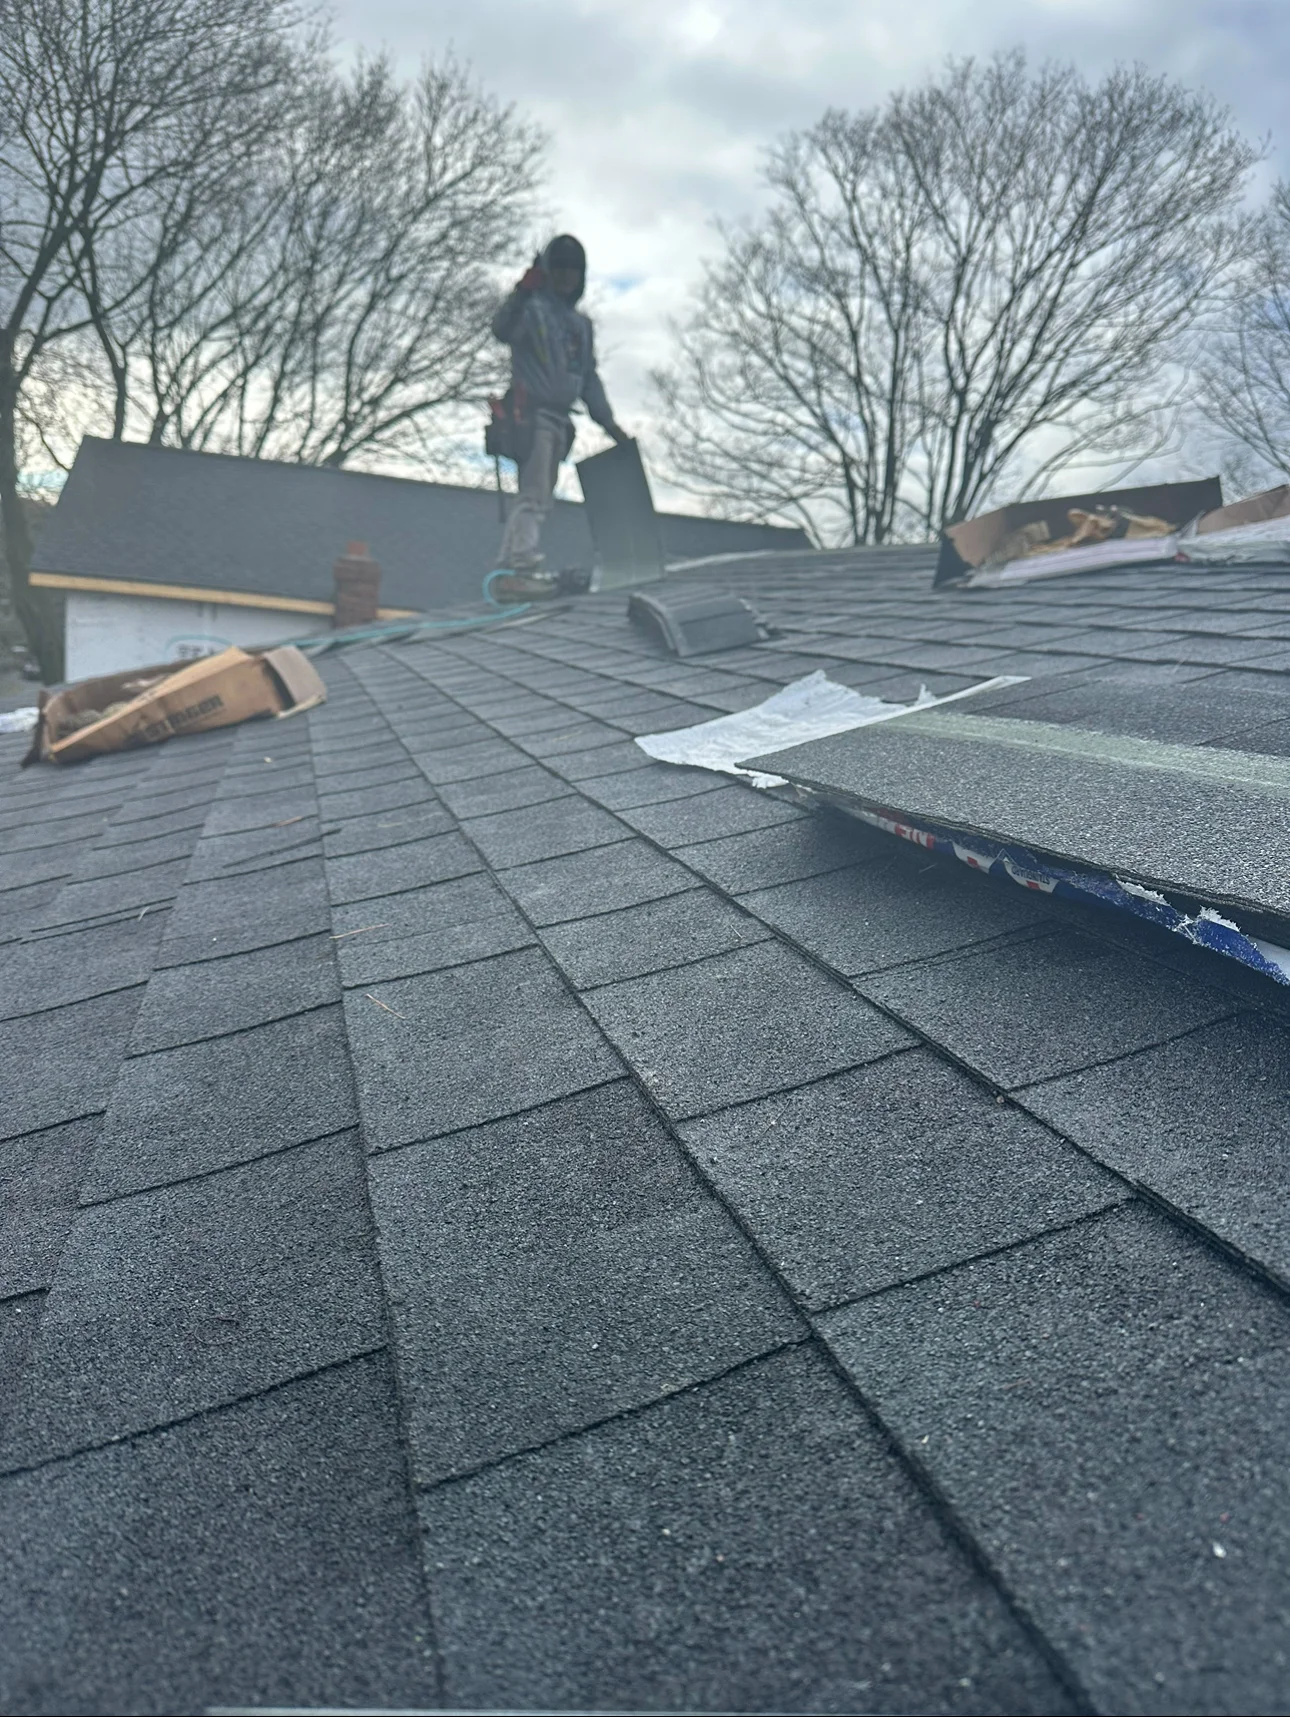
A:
(204, 1496)
(639, 1480)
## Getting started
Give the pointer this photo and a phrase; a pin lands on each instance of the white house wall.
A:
(107, 634)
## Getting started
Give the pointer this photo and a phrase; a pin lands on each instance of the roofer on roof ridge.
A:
(553, 364)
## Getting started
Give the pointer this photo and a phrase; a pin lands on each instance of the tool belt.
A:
(512, 426)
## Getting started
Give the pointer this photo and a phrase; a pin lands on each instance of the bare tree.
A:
(1244, 357)
(798, 386)
(333, 302)
(104, 103)
(984, 282)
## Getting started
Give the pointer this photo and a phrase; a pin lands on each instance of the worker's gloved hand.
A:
(532, 278)
(617, 433)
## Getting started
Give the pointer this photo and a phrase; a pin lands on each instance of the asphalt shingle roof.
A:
(491, 1220)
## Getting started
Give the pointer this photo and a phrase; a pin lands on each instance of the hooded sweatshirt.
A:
(553, 353)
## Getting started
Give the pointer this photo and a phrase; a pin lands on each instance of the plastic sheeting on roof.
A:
(1267, 540)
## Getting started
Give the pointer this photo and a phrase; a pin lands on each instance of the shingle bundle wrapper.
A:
(809, 708)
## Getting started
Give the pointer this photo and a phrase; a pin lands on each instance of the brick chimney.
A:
(358, 585)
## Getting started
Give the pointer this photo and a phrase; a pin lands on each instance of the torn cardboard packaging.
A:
(1073, 533)
(118, 712)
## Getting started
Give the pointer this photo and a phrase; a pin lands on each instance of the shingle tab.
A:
(1031, 1007)
(184, 1004)
(597, 761)
(255, 849)
(901, 906)
(180, 1562)
(601, 880)
(275, 810)
(555, 1268)
(885, 1173)
(76, 965)
(387, 829)
(653, 785)
(425, 929)
(191, 1296)
(1204, 1122)
(469, 762)
(60, 1065)
(749, 1545)
(513, 788)
(709, 816)
(391, 870)
(1138, 1384)
(649, 937)
(473, 1043)
(40, 1183)
(550, 830)
(766, 1019)
(182, 1112)
(78, 902)
(236, 914)
(37, 864)
(371, 801)
(782, 853)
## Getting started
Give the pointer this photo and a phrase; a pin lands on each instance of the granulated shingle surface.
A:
(469, 1044)
(207, 1105)
(889, 1172)
(661, 1562)
(40, 1181)
(698, 1266)
(765, 1017)
(185, 1003)
(178, 1561)
(512, 1331)
(1096, 1003)
(37, 975)
(160, 1307)
(1106, 1360)
(638, 939)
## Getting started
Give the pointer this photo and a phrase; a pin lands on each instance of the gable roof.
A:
(157, 516)
(497, 1221)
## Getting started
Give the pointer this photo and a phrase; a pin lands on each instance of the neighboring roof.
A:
(143, 515)
(493, 1220)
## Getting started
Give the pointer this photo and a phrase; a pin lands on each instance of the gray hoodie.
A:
(553, 353)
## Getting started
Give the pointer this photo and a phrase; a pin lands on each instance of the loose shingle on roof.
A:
(712, 1257)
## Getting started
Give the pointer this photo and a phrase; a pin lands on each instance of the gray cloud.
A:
(659, 112)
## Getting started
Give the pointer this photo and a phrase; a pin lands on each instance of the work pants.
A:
(527, 511)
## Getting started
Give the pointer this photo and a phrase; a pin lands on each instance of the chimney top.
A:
(356, 551)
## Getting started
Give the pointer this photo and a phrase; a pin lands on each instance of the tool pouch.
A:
(510, 428)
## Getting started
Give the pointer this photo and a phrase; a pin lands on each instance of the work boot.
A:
(522, 586)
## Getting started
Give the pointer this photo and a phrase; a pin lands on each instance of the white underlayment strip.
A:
(810, 708)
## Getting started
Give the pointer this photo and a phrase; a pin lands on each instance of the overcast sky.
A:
(659, 109)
